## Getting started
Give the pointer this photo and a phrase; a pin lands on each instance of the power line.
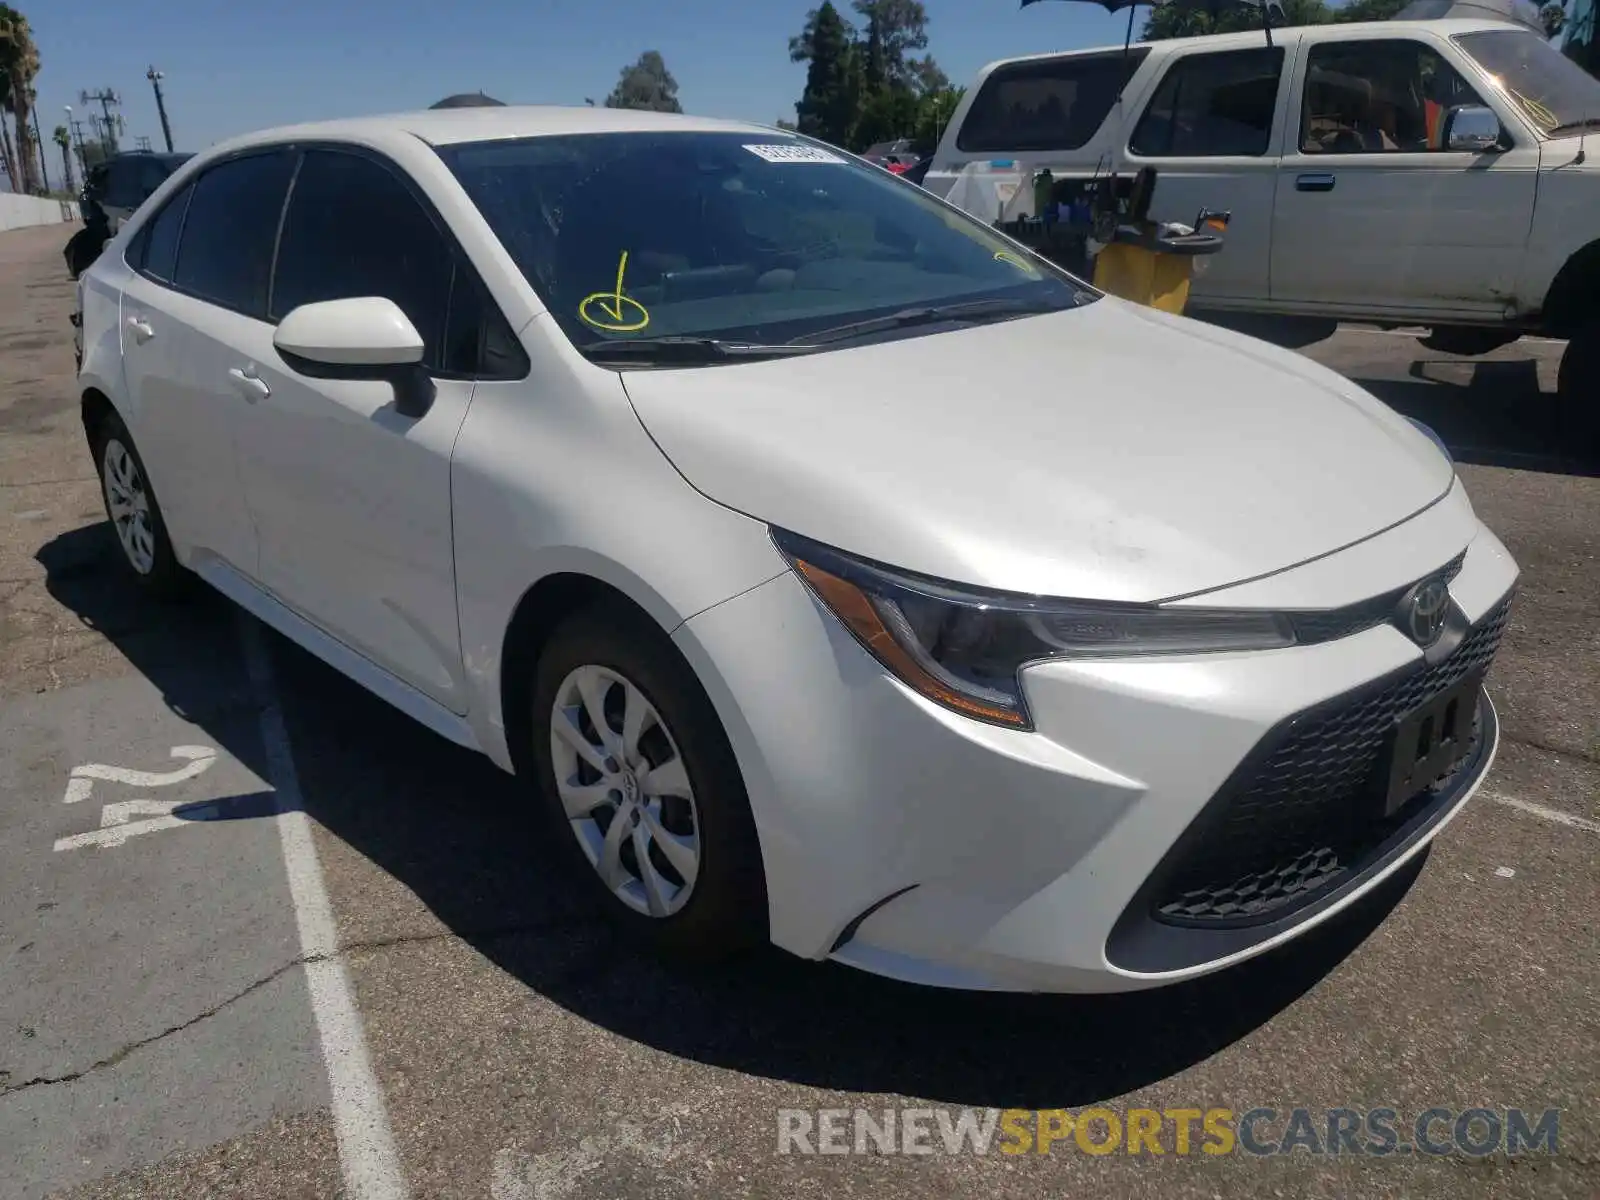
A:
(106, 99)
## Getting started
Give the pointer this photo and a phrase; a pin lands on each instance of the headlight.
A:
(963, 648)
(1427, 431)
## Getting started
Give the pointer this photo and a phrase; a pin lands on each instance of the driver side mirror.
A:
(366, 337)
(1472, 128)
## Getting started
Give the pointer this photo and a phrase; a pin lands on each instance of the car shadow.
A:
(1502, 418)
(465, 839)
(1500, 415)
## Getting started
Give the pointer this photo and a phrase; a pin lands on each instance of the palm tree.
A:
(64, 139)
(19, 61)
(8, 157)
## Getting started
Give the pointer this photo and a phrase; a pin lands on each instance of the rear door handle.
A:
(1314, 183)
(143, 331)
(249, 384)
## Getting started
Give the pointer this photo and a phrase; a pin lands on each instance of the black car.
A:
(121, 183)
(112, 192)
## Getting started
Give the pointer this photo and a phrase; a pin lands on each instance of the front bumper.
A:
(906, 840)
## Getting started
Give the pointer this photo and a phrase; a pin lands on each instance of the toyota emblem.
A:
(1423, 611)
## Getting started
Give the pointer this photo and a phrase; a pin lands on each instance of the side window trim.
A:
(277, 234)
(461, 262)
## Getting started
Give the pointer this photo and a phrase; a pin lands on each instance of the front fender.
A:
(555, 475)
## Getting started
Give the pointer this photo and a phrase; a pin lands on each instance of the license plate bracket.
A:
(1430, 740)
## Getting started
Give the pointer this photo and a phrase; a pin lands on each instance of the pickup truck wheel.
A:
(1578, 386)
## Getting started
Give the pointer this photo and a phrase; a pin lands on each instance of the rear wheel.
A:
(641, 785)
(136, 522)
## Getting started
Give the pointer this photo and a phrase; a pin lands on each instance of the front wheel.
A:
(642, 787)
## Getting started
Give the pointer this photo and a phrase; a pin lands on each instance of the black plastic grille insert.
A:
(1294, 821)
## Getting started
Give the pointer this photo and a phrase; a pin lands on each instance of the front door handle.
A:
(249, 384)
(1314, 183)
(142, 330)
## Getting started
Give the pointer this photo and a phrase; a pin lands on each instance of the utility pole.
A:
(105, 98)
(38, 136)
(155, 77)
(76, 125)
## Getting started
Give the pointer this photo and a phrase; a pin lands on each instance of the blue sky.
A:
(234, 67)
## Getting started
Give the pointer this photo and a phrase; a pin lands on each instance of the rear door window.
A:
(225, 252)
(156, 250)
(1045, 104)
(1212, 105)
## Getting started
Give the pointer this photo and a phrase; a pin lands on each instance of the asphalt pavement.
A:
(164, 996)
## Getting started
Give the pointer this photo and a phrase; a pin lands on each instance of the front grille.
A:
(1298, 816)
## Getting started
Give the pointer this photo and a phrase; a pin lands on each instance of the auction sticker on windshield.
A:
(793, 153)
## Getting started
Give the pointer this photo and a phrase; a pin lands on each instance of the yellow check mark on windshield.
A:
(613, 305)
(612, 311)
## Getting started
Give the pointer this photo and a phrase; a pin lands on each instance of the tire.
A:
(595, 657)
(138, 530)
(1578, 388)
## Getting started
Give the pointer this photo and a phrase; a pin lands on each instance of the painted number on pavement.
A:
(117, 823)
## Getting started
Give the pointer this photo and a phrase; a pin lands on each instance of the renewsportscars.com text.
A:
(1263, 1131)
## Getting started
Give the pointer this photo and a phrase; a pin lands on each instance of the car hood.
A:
(1105, 452)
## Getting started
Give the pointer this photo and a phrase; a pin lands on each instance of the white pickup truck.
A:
(1432, 173)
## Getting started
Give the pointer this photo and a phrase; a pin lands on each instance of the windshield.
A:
(1554, 92)
(739, 237)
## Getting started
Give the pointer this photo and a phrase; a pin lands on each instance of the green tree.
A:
(890, 112)
(1173, 21)
(801, 44)
(896, 27)
(828, 107)
(1367, 10)
(866, 88)
(934, 111)
(63, 139)
(646, 84)
(19, 64)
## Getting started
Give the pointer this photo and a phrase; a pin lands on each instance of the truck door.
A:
(1208, 131)
(1375, 214)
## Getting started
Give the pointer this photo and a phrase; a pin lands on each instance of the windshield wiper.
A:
(1574, 126)
(685, 349)
(971, 310)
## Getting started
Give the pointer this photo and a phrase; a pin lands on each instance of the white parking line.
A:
(1571, 820)
(367, 1153)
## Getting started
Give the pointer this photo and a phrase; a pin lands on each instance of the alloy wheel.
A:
(128, 504)
(625, 790)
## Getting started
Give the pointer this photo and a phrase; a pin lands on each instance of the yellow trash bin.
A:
(1152, 268)
(1144, 276)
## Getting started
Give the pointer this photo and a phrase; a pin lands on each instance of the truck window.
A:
(1378, 97)
(1045, 104)
(1212, 104)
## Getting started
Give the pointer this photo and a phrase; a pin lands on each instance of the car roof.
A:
(1251, 38)
(449, 126)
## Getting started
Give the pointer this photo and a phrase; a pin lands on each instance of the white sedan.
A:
(1103, 650)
